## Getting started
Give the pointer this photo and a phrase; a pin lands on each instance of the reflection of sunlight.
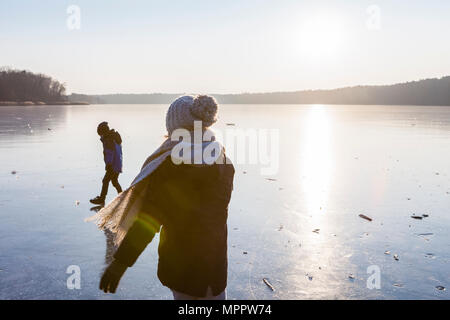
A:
(320, 261)
(317, 162)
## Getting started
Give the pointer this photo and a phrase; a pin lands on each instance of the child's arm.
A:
(108, 153)
(140, 234)
(136, 240)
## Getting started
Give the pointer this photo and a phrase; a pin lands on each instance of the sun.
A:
(321, 36)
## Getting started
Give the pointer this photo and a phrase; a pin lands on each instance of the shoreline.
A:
(83, 103)
(41, 103)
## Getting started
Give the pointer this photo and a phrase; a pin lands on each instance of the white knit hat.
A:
(186, 109)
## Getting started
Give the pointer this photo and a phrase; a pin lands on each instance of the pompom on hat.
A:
(186, 109)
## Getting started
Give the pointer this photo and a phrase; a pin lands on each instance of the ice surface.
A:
(336, 162)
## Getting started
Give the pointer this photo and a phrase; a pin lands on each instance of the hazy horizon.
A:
(225, 48)
(267, 92)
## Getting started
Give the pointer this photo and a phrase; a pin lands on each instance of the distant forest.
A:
(22, 85)
(434, 92)
(18, 86)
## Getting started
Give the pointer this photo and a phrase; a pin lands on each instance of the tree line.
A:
(22, 85)
(432, 92)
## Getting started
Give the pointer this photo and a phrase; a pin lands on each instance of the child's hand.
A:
(111, 276)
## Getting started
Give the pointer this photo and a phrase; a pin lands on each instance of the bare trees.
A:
(22, 85)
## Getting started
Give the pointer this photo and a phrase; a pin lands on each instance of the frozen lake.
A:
(335, 162)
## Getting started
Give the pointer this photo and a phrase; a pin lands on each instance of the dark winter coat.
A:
(190, 204)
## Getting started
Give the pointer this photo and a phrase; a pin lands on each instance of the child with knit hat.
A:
(186, 203)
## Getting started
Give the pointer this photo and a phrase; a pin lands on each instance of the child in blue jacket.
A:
(112, 153)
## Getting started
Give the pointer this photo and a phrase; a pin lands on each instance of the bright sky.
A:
(231, 46)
